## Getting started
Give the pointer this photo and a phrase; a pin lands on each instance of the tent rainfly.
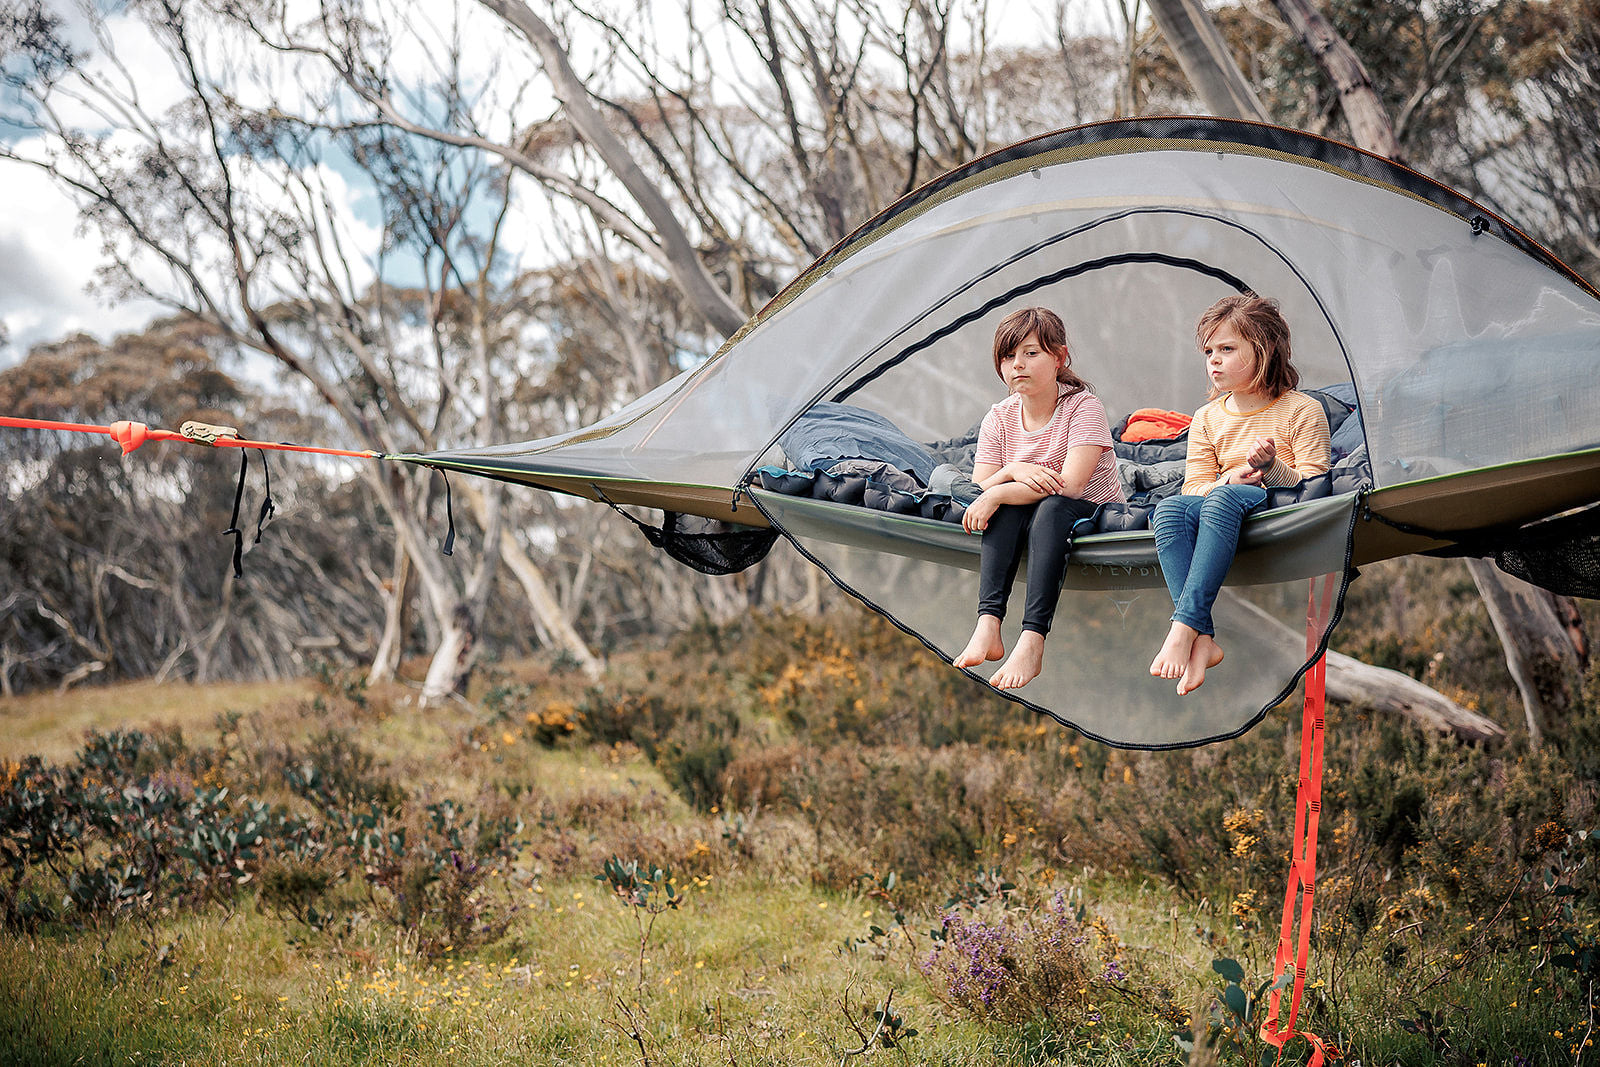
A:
(1469, 353)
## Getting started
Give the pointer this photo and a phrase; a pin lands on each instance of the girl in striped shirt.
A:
(1257, 431)
(1044, 461)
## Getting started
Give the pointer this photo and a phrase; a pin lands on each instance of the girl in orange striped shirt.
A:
(1257, 431)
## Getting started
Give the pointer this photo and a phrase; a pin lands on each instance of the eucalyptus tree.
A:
(223, 206)
(687, 158)
(117, 569)
(1548, 103)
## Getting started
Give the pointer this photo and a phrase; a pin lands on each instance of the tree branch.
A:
(683, 261)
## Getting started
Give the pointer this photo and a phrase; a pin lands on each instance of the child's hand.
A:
(1244, 474)
(1262, 453)
(979, 512)
(1039, 479)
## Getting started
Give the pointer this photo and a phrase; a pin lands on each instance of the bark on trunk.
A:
(457, 654)
(543, 604)
(452, 662)
(1352, 682)
(386, 660)
(541, 601)
(1203, 54)
(1538, 646)
(1363, 108)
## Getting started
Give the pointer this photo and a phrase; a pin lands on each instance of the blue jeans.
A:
(1196, 538)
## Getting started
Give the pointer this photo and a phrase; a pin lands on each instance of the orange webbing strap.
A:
(130, 435)
(1303, 851)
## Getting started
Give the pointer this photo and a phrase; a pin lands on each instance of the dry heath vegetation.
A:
(788, 841)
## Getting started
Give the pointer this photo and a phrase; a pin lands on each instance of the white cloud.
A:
(46, 266)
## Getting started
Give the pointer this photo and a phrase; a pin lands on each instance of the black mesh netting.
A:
(1561, 554)
(710, 546)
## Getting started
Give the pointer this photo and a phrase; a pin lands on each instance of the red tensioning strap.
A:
(130, 435)
(46, 424)
(1303, 851)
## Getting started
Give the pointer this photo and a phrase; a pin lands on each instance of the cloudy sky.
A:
(48, 263)
(45, 265)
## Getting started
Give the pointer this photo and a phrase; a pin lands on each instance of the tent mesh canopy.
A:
(1463, 344)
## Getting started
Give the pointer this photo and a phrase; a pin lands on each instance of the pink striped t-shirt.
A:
(1079, 419)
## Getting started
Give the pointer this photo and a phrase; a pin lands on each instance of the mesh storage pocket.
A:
(710, 546)
(1561, 555)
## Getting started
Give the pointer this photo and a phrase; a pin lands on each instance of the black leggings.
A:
(1046, 529)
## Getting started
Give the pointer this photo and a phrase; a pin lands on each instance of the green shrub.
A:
(119, 840)
(298, 889)
(333, 769)
(432, 874)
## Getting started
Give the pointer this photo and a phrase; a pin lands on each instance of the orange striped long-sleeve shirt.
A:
(1220, 438)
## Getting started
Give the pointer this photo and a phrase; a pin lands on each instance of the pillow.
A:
(831, 431)
(1344, 421)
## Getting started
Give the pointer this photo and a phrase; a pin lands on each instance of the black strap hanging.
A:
(266, 512)
(233, 523)
(653, 534)
(267, 506)
(450, 516)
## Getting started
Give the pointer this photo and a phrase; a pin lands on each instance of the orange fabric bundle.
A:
(1154, 424)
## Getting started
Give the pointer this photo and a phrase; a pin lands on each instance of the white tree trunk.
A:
(386, 660)
(458, 652)
(544, 606)
(683, 260)
(452, 658)
(1352, 682)
(1363, 108)
(1538, 646)
(1203, 54)
(541, 601)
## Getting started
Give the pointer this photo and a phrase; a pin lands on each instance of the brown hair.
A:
(1258, 321)
(1052, 334)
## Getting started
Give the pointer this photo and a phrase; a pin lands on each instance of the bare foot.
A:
(1205, 654)
(1173, 659)
(985, 644)
(1026, 661)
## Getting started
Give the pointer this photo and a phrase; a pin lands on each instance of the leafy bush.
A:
(429, 872)
(1233, 1017)
(119, 841)
(298, 889)
(648, 892)
(332, 770)
(120, 834)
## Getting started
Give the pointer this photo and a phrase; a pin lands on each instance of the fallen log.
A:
(1351, 681)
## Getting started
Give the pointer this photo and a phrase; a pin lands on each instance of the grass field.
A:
(807, 866)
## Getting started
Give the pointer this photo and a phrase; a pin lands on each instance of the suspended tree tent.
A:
(1471, 353)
